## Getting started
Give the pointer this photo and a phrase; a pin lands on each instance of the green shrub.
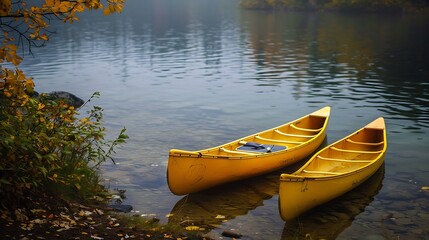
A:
(44, 146)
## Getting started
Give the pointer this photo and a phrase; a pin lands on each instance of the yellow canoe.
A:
(334, 170)
(263, 152)
(332, 218)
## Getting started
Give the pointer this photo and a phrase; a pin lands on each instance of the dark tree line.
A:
(362, 5)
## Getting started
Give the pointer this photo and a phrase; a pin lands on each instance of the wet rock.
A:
(417, 231)
(400, 195)
(121, 208)
(69, 98)
(320, 219)
(331, 218)
(401, 190)
(423, 215)
(231, 234)
(374, 237)
(387, 216)
(404, 221)
(339, 215)
(399, 206)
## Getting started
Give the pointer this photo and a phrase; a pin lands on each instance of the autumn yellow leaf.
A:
(5, 7)
(40, 107)
(192, 228)
(49, 3)
(29, 85)
(106, 11)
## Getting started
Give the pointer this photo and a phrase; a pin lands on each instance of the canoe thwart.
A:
(355, 151)
(293, 135)
(238, 152)
(345, 160)
(365, 143)
(306, 129)
(322, 172)
(277, 141)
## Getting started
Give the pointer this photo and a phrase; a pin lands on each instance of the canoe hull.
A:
(192, 174)
(194, 171)
(299, 195)
(333, 171)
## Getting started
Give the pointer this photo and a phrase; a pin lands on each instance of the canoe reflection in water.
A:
(329, 220)
(210, 208)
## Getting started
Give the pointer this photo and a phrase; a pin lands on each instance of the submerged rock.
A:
(69, 98)
(231, 234)
(121, 208)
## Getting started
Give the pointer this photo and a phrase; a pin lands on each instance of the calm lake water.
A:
(192, 74)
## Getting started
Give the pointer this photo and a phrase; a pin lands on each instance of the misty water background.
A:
(194, 74)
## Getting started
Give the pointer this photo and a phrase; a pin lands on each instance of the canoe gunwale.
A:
(200, 154)
(300, 178)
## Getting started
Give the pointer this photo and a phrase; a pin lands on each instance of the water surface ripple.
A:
(193, 74)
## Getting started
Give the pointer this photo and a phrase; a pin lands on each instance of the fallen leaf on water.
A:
(96, 237)
(192, 228)
(425, 188)
(220, 217)
(84, 213)
(98, 211)
(38, 221)
(37, 210)
(169, 236)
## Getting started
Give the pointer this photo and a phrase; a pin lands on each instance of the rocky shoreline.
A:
(50, 218)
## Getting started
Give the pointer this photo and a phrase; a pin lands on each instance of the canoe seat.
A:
(293, 135)
(355, 151)
(306, 129)
(321, 172)
(238, 152)
(344, 160)
(365, 143)
(277, 141)
(257, 147)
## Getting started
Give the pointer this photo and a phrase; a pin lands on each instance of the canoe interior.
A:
(349, 154)
(288, 136)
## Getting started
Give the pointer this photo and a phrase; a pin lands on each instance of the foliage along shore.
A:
(393, 6)
(50, 186)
